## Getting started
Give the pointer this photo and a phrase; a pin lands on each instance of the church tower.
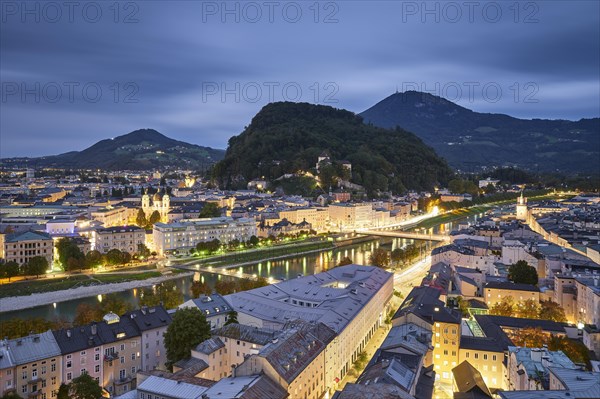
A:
(145, 202)
(522, 207)
(166, 207)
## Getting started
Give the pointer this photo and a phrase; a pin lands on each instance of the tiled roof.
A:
(33, 347)
(246, 333)
(210, 345)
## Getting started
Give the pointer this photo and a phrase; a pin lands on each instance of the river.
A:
(279, 269)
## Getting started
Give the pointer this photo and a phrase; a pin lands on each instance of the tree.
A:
(345, 261)
(253, 241)
(528, 309)
(154, 218)
(113, 303)
(75, 264)
(114, 257)
(522, 273)
(198, 288)
(11, 269)
(574, 349)
(36, 266)
(210, 210)
(551, 310)
(165, 293)
(93, 259)
(10, 395)
(85, 314)
(67, 249)
(380, 258)
(63, 391)
(84, 387)
(503, 308)
(232, 318)
(188, 328)
(397, 255)
(530, 337)
(142, 250)
(140, 219)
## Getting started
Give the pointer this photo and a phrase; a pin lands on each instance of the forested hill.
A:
(288, 137)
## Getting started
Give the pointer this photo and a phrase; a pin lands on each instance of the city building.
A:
(123, 238)
(214, 306)
(350, 216)
(186, 234)
(21, 247)
(494, 292)
(352, 300)
(38, 367)
(160, 204)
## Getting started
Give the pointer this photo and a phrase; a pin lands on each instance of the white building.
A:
(186, 234)
(347, 216)
(123, 238)
(352, 300)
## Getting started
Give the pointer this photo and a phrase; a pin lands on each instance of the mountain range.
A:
(470, 140)
(142, 149)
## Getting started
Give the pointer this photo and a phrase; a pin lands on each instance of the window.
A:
(53, 367)
(133, 356)
(122, 359)
(494, 357)
(24, 376)
(122, 373)
(476, 355)
(97, 357)
(33, 373)
(82, 371)
(53, 380)
(467, 355)
(69, 363)
(485, 356)
(97, 368)
(122, 347)
(69, 376)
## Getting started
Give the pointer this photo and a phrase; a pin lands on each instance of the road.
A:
(405, 279)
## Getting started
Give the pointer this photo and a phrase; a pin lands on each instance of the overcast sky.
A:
(198, 71)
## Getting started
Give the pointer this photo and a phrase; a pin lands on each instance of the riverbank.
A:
(13, 303)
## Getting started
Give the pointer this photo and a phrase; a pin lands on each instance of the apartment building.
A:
(115, 216)
(186, 234)
(316, 216)
(494, 292)
(21, 247)
(152, 323)
(122, 353)
(295, 361)
(588, 299)
(214, 306)
(37, 372)
(123, 238)
(81, 349)
(350, 216)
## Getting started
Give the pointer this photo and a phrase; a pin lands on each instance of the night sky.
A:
(199, 71)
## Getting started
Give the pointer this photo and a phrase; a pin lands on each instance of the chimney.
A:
(68, 333)
(94, 329)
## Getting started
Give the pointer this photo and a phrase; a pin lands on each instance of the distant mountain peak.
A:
(471, 140)
(140, 149)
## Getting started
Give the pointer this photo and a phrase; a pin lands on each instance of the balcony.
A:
(111, 356)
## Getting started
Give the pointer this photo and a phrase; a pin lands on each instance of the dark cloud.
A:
(166, 62)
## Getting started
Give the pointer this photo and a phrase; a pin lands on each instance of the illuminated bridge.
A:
(405, 234)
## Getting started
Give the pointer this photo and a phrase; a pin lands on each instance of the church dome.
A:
(156, 196)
